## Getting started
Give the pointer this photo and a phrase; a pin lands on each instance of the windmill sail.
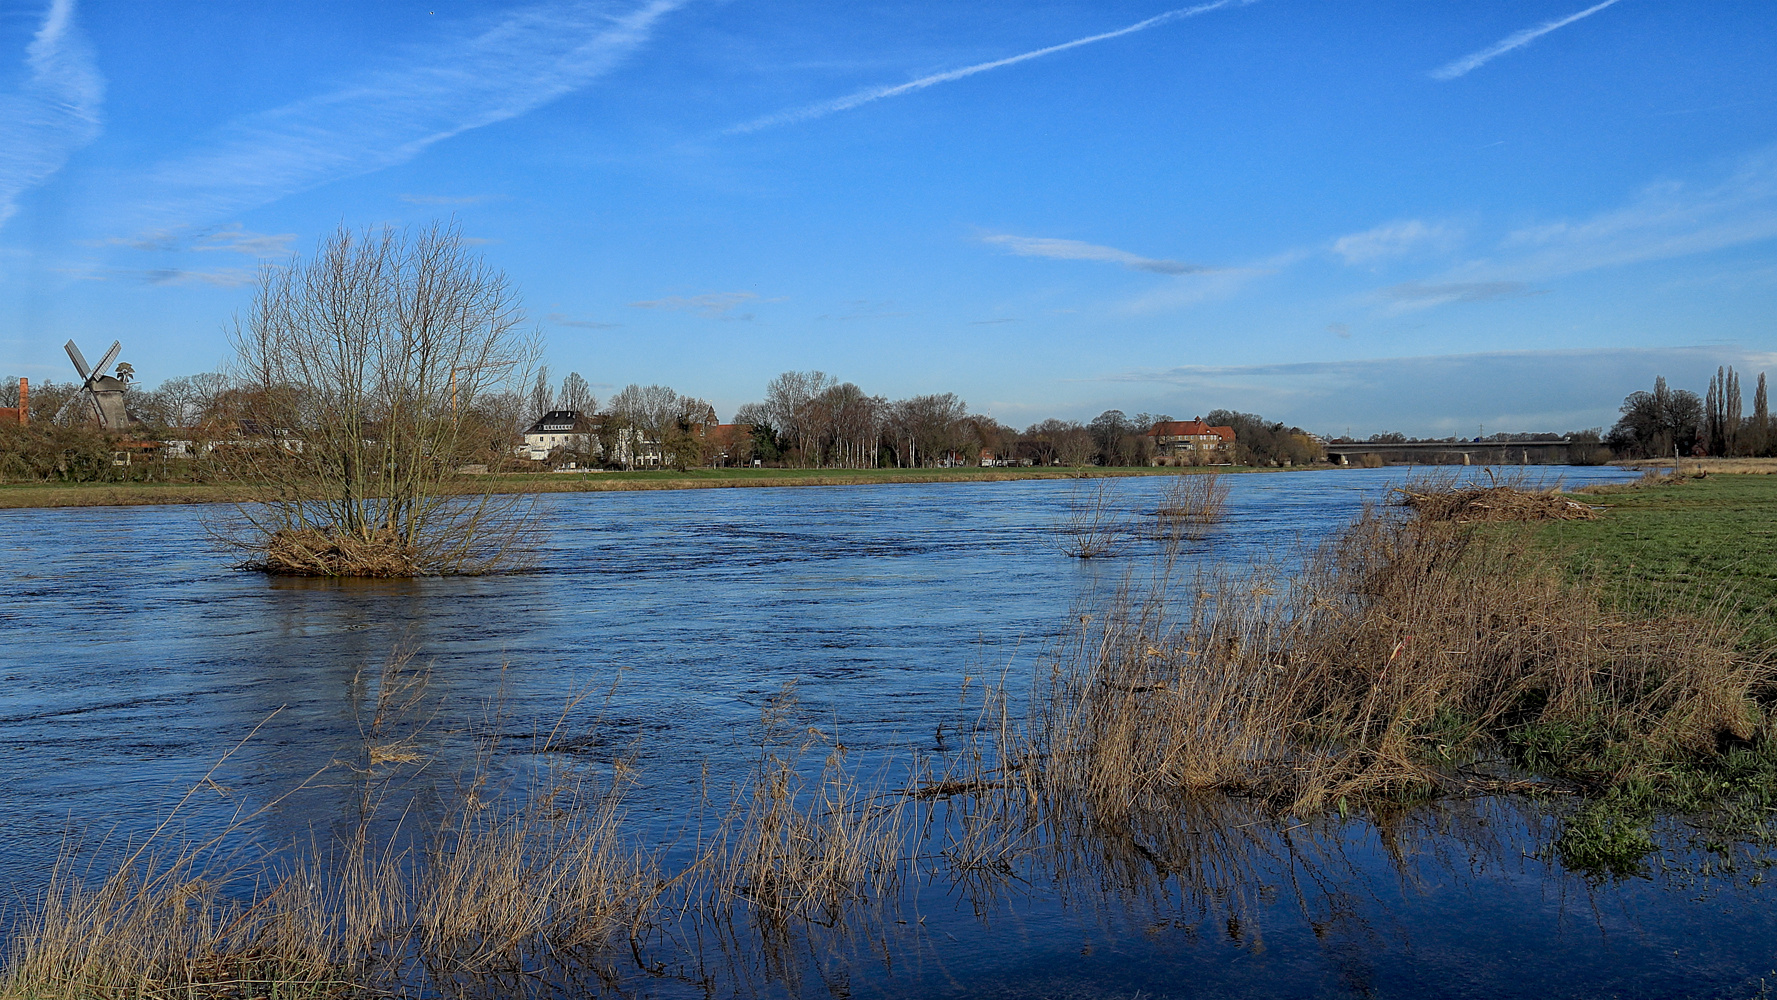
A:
(102, 391)
(79, 360)
(110, 356)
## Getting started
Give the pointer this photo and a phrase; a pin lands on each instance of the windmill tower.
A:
(104, 392)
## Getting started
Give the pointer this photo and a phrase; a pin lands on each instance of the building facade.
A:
(1192, 440)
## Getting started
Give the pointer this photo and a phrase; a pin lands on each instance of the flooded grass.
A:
(1444, 685)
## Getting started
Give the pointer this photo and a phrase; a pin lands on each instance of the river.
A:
(135, 657)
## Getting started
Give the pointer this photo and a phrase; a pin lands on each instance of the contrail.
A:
(395, 111)
(878, 93)
(55, 112)
(1510, 42)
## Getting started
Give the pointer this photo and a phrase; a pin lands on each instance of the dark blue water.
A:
(134, 658)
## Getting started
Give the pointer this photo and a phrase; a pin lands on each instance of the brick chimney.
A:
(24, 402)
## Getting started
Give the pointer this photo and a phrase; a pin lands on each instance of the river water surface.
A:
(135, 658)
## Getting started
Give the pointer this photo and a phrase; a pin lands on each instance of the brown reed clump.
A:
(504, 882)
(1096, 526)
(798, 845)
(1191, 504)
(325, 552)
(1494, 503)
(1402, 648)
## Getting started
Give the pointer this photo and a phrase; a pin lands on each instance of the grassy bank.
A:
(1693, 466)
(1696, 542)
(24, 495)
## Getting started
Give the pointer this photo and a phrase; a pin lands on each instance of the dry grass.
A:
(1493, 503)
(319, 552)
(801, 845)
(1190, 505)
(1096, 525)
(498, 884)
(1404, 645)
(1164, 739)
(1705, 466)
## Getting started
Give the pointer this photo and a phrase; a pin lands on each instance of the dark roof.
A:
(562, 422)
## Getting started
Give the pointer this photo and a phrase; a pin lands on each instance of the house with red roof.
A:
(1192, 441)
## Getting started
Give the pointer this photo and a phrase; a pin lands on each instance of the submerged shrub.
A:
(360, 377)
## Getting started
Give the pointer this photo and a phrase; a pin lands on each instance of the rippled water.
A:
(134, 658)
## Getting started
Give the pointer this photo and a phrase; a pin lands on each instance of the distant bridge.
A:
(1453, 452)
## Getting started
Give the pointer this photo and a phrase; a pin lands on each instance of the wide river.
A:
(135, 657)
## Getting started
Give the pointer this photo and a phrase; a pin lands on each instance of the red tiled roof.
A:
(1185, 428)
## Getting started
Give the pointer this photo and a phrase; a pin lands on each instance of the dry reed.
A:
(1493, 503)
(802, 845)
(1400, 644)
(1164, 737)
(1191, 504)
(318, 552)
(1096, 525)
(503, 883)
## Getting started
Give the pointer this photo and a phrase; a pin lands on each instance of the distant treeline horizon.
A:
(812, 419)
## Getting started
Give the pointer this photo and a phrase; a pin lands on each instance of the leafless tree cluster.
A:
(654, 419)
(1666, 421)
(360, 374)
(812, 419)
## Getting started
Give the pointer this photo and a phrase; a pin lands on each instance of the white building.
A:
(566, 429)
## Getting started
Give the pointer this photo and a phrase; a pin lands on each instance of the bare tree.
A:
(542, 397)
(931, 428)
(576, 395)
(788, 400)
(1759, 425)
(359, 373)
(848, 426)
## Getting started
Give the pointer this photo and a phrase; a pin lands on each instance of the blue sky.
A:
(1424, 216)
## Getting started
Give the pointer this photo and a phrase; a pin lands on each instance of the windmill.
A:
(104, 391)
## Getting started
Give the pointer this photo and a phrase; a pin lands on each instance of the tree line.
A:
(806, 419)
(810, 419)
(1678, 422)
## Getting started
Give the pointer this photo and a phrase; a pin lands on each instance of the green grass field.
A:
(1690, 542)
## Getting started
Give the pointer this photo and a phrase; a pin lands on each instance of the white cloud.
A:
(1516, 40)
(54, 113)
(1418, 294)
(224, 277)
(243, 241)
(562, 319)
(871, 94)
(1663, 221)
(1030, 246)
(440, 199)
(1393, 239)
(717, 305)
(530, 57)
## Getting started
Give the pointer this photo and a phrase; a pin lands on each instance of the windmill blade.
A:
(110, 356)
(79, 360)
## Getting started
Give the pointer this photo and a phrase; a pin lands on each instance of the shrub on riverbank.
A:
(1403, 648)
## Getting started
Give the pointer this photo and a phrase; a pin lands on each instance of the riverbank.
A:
(1428, 706)
(1690, 543)
(14, 496)
(1705, 466)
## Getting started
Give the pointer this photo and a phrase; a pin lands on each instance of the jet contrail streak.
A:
(1514, 41)
(878, 93)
